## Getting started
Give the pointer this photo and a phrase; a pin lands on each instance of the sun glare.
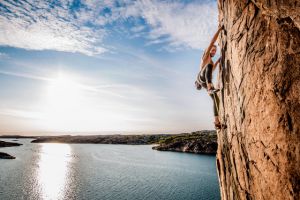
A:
(63, 93)
(64, 99)
(70, 105)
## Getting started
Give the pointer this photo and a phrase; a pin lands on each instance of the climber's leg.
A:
(215, 109)
(216, 102)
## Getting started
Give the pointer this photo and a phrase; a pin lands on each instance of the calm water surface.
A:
(105, 172)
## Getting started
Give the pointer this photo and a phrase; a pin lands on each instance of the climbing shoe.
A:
(213, 91)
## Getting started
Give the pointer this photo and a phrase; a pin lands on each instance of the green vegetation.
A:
(199, 135)
(202, 142)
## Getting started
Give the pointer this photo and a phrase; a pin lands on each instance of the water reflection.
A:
(53, 170)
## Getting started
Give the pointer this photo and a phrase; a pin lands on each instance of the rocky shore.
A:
(201, 142)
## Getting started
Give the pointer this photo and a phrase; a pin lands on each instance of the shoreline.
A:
(198, 142)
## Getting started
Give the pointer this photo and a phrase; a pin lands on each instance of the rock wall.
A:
(259, 153)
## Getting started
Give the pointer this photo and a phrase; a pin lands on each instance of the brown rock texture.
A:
(258, 154)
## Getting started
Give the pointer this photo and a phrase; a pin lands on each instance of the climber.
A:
(204, 78)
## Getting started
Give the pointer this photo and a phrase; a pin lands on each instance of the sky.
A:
(117, 66)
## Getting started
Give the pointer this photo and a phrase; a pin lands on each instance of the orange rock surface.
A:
(259, 153)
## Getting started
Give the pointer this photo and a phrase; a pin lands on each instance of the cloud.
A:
(82, 26)
(177, 24)
(107, 88)
(24, 75)
(45, 25)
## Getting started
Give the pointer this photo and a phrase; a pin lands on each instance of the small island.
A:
(7, 144)
(6, 156)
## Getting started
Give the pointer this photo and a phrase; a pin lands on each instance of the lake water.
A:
(105, 172)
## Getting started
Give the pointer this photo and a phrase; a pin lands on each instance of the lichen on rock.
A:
(259, 153)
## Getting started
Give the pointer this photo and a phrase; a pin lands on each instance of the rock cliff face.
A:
(259, 153)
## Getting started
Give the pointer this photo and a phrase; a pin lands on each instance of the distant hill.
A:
(103, 139)
(17, 136)
(195, 142)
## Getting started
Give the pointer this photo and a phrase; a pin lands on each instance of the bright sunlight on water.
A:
(106, 172)
(53, 169)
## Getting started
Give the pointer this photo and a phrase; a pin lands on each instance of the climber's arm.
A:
(212, 42)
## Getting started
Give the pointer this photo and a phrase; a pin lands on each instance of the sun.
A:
(71, 105)
(64, 99)
(63, 93)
